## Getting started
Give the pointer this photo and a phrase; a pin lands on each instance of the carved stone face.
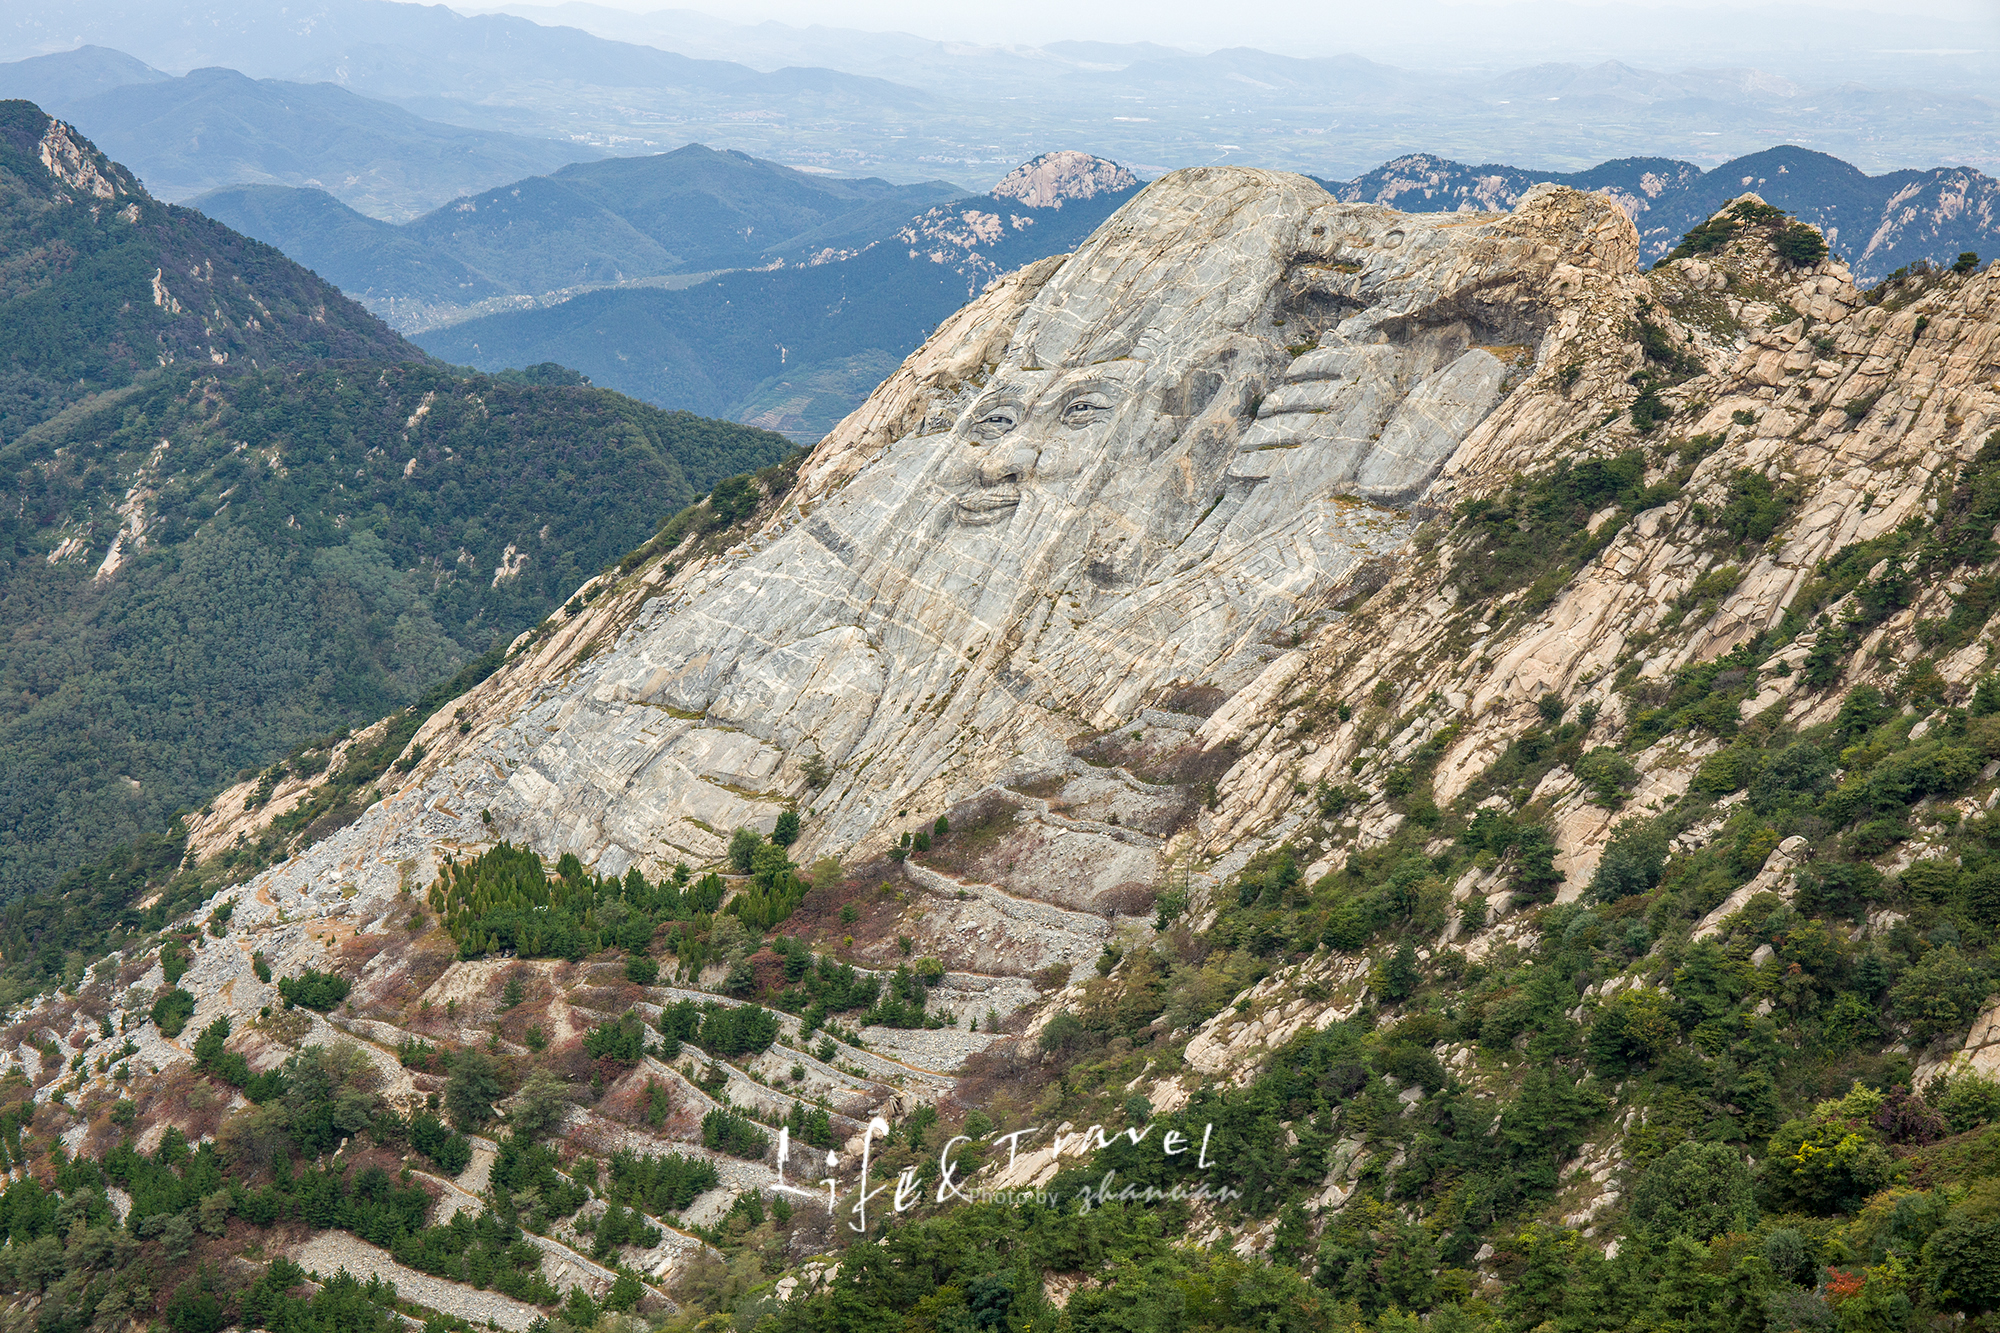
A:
(1033, 436)
(1137, 476)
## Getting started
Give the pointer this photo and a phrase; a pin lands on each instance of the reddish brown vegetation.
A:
(395, 993)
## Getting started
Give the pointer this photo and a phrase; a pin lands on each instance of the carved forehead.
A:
(1174, 271)
(1117, 380)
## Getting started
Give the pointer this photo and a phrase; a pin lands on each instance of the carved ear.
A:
(1194, 393)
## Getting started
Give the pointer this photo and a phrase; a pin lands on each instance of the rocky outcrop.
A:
(1136, 474)
(1854, 407)
(974, 237)
(1191, 456)
(76, 163)
(1045, 181)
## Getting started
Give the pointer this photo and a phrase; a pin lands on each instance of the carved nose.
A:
(1004, 465)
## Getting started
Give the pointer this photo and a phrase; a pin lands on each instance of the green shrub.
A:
(1397, 978)
(1965, 1101)
(450, 1151)
(1933, 880)
(1801, 244)
(1632, 1030)
(175, 959)
(1831, 1160)
(1632, 862)
(212, 1057)
(1940, 995)
(471, 1091)
(659, 1185)
(1609, 775)
(736, 1134)
(1063, 1032)
(721, 1030)
(1695, 1189)
(314, 989)
(734, 498)
(172, 1011)
(1965, 1254)
(1755, 509)
(743, 845)
(1727, 770)
(1782, 778)
(622, 1040)
(1648, 410)
(1535, 875)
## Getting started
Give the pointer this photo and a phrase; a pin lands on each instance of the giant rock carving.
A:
(1115, 474)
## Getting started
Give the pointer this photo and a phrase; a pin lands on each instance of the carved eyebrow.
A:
(1083, 404)
(1085, 390)
(987, 406)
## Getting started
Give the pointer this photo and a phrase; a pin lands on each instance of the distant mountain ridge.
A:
(796, 346)
(794, 349)
(692, 211)
(216, 127)
(492, 71)
(907, 108)
(1877, 223)
(59, 81)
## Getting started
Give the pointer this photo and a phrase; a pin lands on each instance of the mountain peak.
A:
(158, 286)
(1046, 181)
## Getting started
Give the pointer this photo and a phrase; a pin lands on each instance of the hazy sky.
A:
(1276, 24)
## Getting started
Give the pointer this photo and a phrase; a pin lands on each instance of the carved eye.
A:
(996, 422)
(1084, 411)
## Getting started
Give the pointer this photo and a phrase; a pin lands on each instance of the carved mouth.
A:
(988, 506)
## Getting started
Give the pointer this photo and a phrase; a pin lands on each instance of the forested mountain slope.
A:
(219, 567)
(103, 283)
(1315, 767)
(261, 517)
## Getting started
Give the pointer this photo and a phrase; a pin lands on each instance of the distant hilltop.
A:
(1053, 177)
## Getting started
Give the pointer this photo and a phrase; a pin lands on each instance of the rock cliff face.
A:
(1269, 570)
(1118, 475)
